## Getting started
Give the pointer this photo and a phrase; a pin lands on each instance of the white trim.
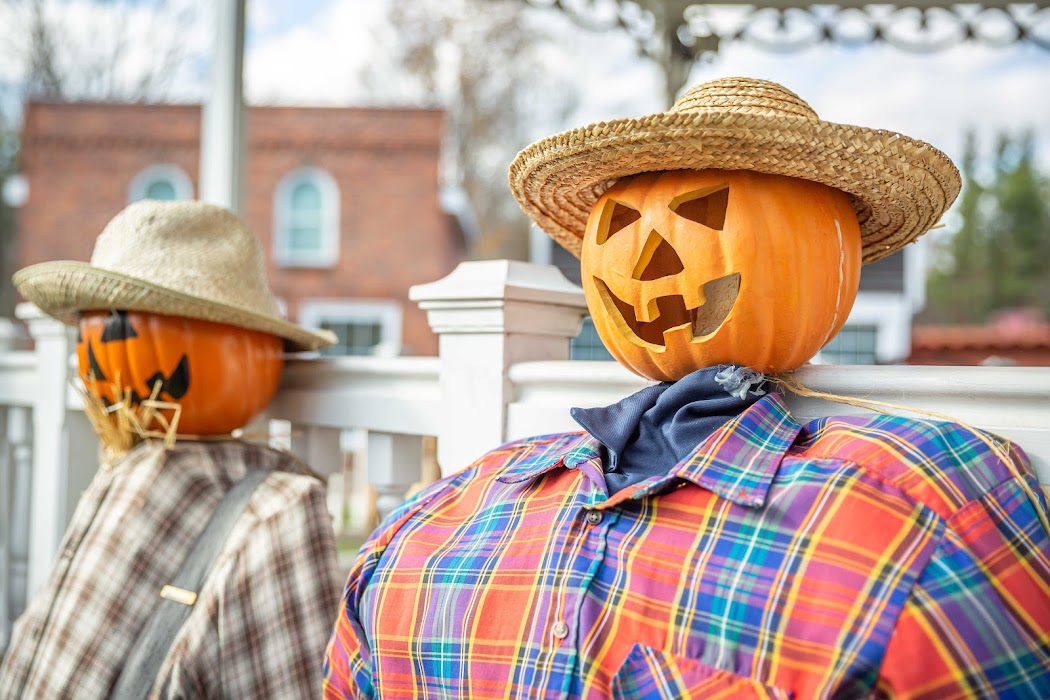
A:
(915, 265)
(168, 172)
(455, 203)
(328, 189)
(541, 246)
(890, 313)
(386, 312)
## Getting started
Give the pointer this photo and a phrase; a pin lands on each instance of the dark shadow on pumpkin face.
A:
(720, 296)
(706, 206)
(117, 327)
(173, 386)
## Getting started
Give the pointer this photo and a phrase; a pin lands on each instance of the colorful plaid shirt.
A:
(850, 557)
(262, 616)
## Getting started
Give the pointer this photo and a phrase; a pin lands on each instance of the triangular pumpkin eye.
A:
(95, 372)
(706, 207)
(117, 327)
(615, 217)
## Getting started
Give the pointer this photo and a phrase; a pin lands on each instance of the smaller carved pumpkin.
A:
(689, 269)
(221, 375)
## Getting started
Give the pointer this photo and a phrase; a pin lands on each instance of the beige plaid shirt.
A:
(262, 618)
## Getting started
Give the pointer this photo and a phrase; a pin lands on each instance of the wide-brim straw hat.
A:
(182, 258)
(900, 187)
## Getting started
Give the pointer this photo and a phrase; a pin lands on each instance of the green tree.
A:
(1000, 256)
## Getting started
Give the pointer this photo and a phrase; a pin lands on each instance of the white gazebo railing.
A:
(502, 373)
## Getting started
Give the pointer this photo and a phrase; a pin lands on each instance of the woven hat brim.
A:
(900, 187)
(63, 288)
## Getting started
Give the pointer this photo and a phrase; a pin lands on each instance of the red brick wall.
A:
(79, 159)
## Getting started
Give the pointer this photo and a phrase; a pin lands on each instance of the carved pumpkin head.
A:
(689, 269)
(220, 375)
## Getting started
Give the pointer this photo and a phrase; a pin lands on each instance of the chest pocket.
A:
(651, 675)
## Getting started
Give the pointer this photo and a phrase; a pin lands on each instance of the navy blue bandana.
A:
(652, 430)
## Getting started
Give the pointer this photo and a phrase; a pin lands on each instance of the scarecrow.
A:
(694, 540)
(195, 565)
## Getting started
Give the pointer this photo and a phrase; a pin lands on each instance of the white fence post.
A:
(17, 465)
(395, 462)
(65, 450)
(488, 316)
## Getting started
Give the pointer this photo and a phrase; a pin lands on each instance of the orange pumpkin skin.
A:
(780, 258)
(221, 375)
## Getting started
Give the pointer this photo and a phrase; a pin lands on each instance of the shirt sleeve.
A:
(977, 622)
(276, 612)
(348, 659)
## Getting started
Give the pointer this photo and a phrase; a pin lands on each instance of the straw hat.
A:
(900, 187)
(183, 258)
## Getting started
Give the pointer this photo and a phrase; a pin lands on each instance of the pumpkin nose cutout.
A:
(657, 260)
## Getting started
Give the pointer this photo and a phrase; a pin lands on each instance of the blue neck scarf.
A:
(650, 431)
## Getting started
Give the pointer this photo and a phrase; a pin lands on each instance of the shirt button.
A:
(560, 630)
(594, 517)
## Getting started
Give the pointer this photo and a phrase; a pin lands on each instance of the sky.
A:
(309, 51)
(313, 52)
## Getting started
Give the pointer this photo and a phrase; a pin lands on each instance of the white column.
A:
(222, 119)
(20, 475)
(318, 447)
(395, 462)
(490, 315)
(541, 246)
(47, 502)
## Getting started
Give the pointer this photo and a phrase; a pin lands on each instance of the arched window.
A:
(306, 219)
(161, 181)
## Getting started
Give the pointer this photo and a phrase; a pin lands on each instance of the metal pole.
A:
(222, 118)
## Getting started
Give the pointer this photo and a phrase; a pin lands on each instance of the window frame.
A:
(173, 174)
(328, 252)
(855, 327)
(576, 348)
(386, 312)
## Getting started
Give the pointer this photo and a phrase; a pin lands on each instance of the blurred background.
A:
(378, 133)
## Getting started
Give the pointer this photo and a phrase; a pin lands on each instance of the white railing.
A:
(502, 373)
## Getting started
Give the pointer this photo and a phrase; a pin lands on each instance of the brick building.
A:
(345, 201)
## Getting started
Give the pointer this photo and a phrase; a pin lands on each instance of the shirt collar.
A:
(545, 453)
(738, 461)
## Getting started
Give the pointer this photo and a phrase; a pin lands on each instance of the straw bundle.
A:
(123, 425)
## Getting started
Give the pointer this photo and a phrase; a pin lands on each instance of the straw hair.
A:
(124, 424)
(899, 186)
(185, 258)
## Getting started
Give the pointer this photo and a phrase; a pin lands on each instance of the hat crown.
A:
(188, 247)
(744, 96)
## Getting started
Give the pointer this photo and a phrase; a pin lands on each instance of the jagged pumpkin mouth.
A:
(669, 313)
(174, 385)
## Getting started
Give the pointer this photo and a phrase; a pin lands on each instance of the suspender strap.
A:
(151, 648)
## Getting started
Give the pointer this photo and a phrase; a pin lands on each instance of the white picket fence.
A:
(502, 373)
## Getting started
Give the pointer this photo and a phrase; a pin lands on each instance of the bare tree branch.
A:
(489, 66)
(127, 50)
